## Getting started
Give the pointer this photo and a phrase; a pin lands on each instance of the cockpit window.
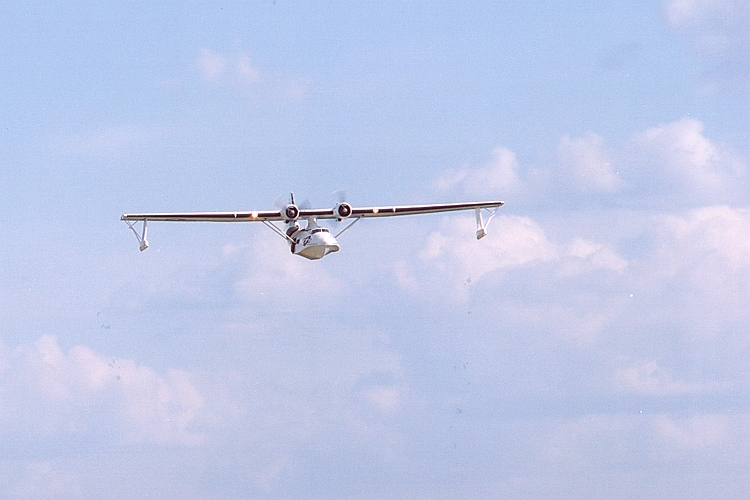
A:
(320, 230)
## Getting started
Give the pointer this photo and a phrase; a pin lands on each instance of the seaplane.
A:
(311, 241)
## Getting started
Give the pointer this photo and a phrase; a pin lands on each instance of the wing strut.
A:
(347, 227)
(482, 225)
(142, 241)
(273, 227)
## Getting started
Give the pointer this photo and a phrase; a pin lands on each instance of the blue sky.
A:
(595, 343)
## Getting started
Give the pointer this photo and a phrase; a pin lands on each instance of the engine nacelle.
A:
(342, 210)
(290, 212)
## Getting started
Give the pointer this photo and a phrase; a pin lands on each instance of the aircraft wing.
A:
(390, 211)
(259, 215)
(318, 213)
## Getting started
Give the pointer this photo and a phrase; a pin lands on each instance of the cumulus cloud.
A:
(236, 70)
(268, 271)
(581, 254)
(700, 265)
(514, 242)
(719, 24)
(720, 32)
(679, 154)
(215, 67)
(706, 249)
(606, 440)
(385, 399)
(697, 432)
(36, 480)
(563, 273)
(211, 65)
(498, 177)
(80, 391)
(518, 241)
(586, 160)
(455, 247)
(651, 379)
(712, 232)
(669, 164)
(591, 440)
(316, 383)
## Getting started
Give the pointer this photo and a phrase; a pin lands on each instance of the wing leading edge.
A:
(319, 213)
(261, 215)
(391, 211)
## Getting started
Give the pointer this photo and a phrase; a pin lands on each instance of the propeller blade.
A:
(279, 202)
(340, 195)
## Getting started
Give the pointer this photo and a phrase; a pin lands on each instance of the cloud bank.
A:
(578, 340)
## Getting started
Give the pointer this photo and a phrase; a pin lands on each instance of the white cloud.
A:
(693, 433)
(583, 326)
(514, 242)
(603, 440)
(700, 266)
(56, 391)
(678, 153)
(212, 65)
(269, 271)
(246, 72)
(39, 480)
(385, 399)
(720, 31)
(215, 67)
(499, 177)
(237, 71)
(670, 162)
(581, 255)
(705, 250)
(317, 382)
(517, 241)
(712, 232)
(404, 276)
(589, 163)
(591, 440)
(651, 379)
(720, 23)
(688, 12)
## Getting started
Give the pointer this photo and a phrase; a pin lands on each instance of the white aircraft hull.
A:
(314, 246)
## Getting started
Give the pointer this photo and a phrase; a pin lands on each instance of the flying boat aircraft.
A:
(312, 241)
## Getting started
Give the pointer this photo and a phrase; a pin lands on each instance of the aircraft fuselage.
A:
(313, 242)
